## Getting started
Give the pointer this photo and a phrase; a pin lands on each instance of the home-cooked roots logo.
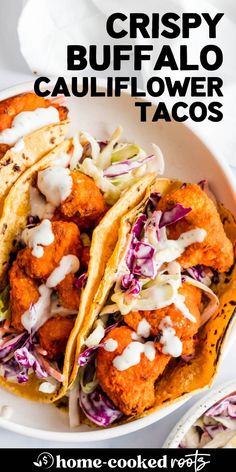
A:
(44, 460)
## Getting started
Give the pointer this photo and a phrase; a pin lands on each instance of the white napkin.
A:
(46, 27)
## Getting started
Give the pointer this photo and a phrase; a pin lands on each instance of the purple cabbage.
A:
(135, 235)
(200, 272)
(79, 282)
(153, 200)
(139, 258)
(131, 284)
(124, 167)
(23, 377)
(126, 280)
(214, 429)
(143, 251)
(134, 288)
(33, 220)
(144, 268)
(12, 345)
(232, 410)
(102, 144)
(99, 408)
(10, 369)
(138, 225)
(27, 360)
(87, 355)
(175, 214)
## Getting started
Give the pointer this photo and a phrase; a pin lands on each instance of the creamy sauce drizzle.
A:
(55, 183)
(168, 250)
(96, 336)
(172, 345)
(38, 313)
(62, 160)
(110, 345)
(144, 328)
(135, 337)
(36, 238)
(47, 387)
(132, 355)
(39, 206)
(67, 265)
(27, 122)
(19, 146)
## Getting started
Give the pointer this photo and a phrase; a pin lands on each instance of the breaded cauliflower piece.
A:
(23, 293)
(66, 241)
(12, 106)
(85, 206)
(54, 334)
(184, 328)
(131, 390)
(69, 295)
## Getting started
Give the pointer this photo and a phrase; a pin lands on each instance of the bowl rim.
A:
(120, 430)
(101, 82)
(181, 428)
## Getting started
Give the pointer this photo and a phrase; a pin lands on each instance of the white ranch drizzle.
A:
(47, 387)
(68, 264)
(144, 328)
(171, 343)
(36, 238)
(110, 345)
(28, 121)
(55, 183)
(168, 250)
(96, 336)
(39, 206)
(38, 313)
(132, 355)
(19, 146)
(135, 337)
(62, 160)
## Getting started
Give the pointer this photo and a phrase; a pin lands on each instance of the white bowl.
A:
(197, 410)
(188, 159)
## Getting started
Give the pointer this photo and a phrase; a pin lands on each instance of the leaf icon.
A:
(38, 464)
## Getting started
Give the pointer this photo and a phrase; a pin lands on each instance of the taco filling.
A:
(46, 278)
(49, 269)
(162, 294)
(23, 114)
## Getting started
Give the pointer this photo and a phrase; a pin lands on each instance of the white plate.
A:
(186, 158)
(197, 410)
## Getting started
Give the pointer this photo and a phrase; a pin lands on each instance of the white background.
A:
(13, 70)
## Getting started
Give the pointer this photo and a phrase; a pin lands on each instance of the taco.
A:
(163, 311)
(57, 232)
(30, 126)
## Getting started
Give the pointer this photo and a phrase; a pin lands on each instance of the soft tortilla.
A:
(36, 145)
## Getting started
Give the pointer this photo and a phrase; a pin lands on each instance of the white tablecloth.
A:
(13, 70)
